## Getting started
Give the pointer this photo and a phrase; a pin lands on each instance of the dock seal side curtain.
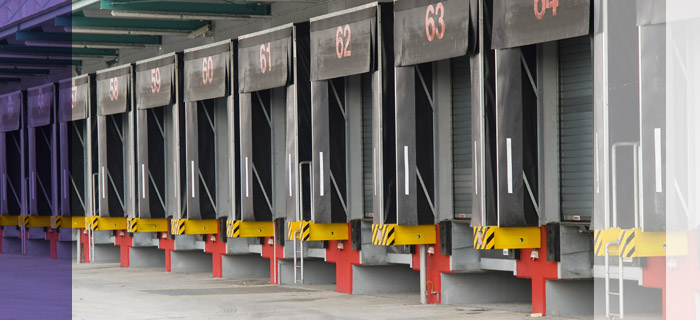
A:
(651, 17)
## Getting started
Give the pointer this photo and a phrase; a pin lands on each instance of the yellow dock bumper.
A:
(637, 243)
(249, 229)
(60, 222)
(146, 225)
(94, 223)
(187, 226)
(392, 234)
(311, 231)
(9, 220)
(492, 237)
(297, 226)
(35, 221)
(327, 231)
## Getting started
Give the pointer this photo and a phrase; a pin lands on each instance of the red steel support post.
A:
(539, 270)
(52, 237)
(340, 252)
(435, 264)
(124, 241)
(215, 245)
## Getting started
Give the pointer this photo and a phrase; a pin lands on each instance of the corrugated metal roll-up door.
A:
(461, 137)
(576, 128)
(367, 173)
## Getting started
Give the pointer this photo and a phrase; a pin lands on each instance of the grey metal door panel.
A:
(462, 146)
(367, 154)
(576, 136)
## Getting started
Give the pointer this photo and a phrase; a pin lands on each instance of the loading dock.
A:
(115, 187)
(76, 156)
(12, 142)
(275, 98)
(208, 158)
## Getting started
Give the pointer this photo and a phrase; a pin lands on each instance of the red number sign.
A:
(114, 89)
(546, 4)
(155, 80)
(207, 71)
(342, 41)
(265, 58)
(40, 102)
(435, 28)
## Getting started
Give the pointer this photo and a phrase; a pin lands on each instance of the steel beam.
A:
(42, 62)
(188, 8)
(8, 79)
(248, 229)
(87, 38)
(108, 24)
(17, 71)
(41, 18)
(55, 51)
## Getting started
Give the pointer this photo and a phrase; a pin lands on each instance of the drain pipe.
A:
(423, 273)
(275, 267)
(78, 257)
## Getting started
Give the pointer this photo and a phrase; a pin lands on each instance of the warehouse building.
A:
(471, 151)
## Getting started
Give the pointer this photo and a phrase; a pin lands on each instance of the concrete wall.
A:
(569, 297)
(146, 258)
(315, 272)
(384, 279)
(487, 287)
(190, 262)
(245, 267)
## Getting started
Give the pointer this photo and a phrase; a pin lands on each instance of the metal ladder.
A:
(298, 243)
(609, 294)
(298, 258)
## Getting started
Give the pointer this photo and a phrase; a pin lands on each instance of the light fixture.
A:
(85, 45)
(177, 16)
(147, 32)
(199, 32)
